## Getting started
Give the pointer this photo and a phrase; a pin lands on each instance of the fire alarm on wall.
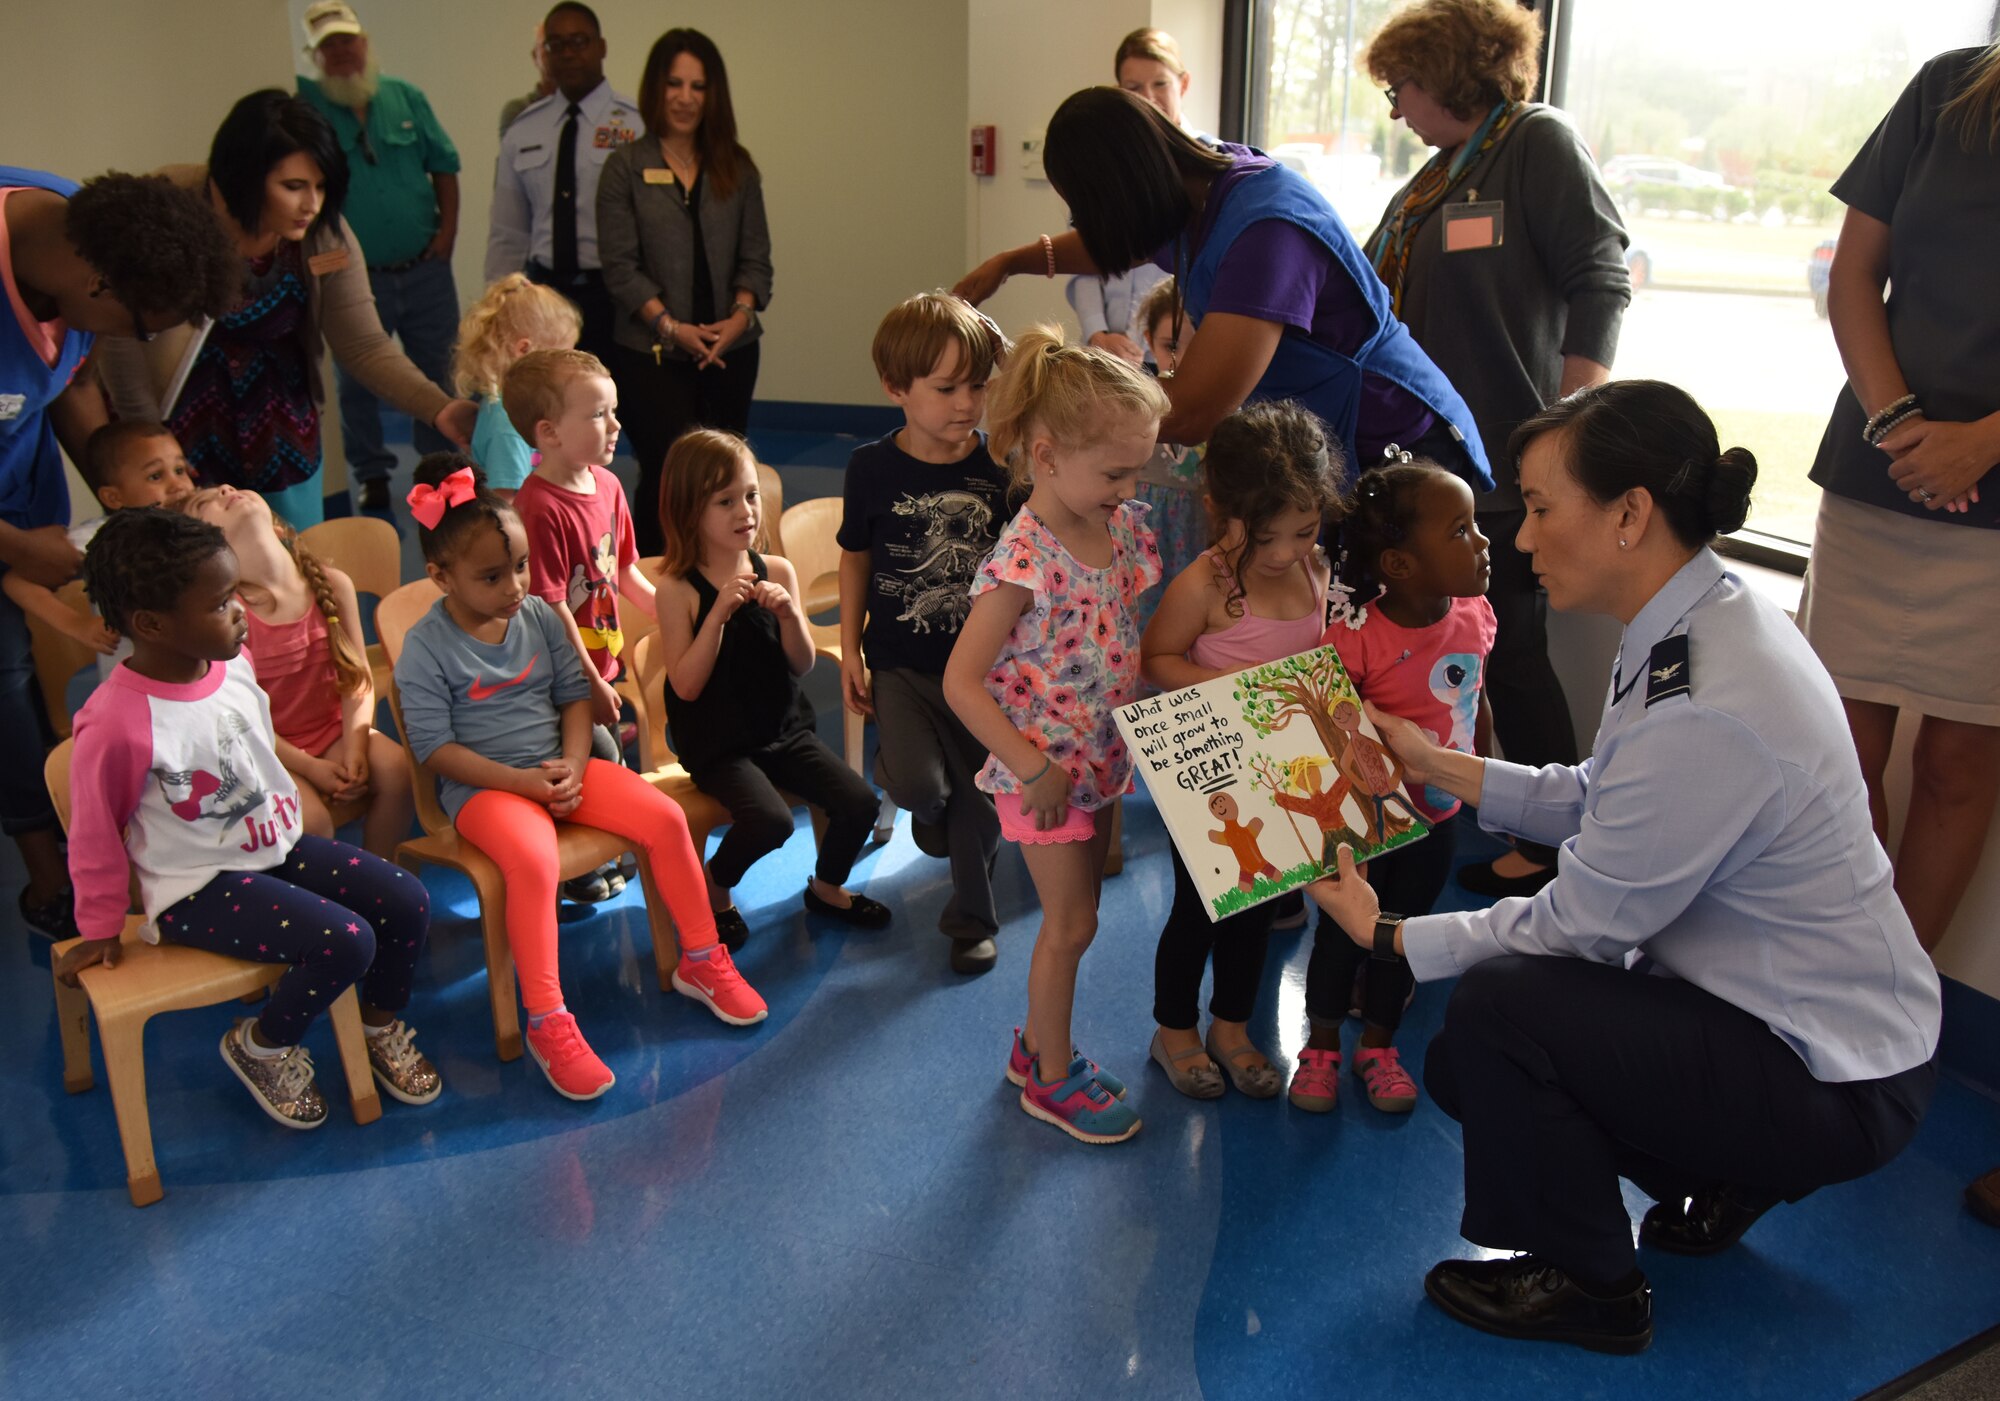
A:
(985, 142)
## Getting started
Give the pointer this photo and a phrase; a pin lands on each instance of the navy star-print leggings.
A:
(332, 911)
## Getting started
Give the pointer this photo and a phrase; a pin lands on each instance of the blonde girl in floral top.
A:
(1049, 651)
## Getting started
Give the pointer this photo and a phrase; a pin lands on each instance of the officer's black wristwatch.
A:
(1386, 926)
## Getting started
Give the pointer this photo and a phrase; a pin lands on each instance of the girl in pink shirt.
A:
(175, 780)
(1413, 629)
(1273, 480)
(305, 632)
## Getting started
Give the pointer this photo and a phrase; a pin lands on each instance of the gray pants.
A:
(926, 760)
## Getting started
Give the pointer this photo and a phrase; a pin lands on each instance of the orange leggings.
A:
(520, 837)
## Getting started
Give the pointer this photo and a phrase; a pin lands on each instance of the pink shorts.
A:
(1017, 825)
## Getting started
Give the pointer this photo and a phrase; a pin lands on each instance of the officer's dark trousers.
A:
(1567, 1075)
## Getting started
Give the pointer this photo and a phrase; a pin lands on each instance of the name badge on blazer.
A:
(333, 260)
(659, 177)
(1476, 224)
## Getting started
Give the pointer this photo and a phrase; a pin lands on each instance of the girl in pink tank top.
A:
(1274, 480)
(306, 647)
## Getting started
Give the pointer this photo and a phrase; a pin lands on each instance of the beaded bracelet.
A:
(1879, 422)
(1874, 436)
(1049, 255)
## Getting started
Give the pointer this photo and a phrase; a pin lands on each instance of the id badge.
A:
(654, 176)
(1476, 224)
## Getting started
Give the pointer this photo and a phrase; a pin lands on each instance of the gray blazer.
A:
(645, 241)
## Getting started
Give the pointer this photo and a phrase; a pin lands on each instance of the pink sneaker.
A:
(1316, 1081)
(713, 981)
(572, 1067)
(1390, 1088)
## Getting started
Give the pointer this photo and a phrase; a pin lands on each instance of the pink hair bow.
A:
(429, 503)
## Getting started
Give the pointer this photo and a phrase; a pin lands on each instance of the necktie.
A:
(564, 231)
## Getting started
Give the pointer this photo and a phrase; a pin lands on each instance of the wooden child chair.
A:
(580, 849)
(155, 978)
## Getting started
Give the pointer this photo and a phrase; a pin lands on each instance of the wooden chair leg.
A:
(666, 935)
(850, 734)
(885, 819)
(350, 1039)
(1114, 856)
(73, 1020)
(125, 1067)
(500, 986)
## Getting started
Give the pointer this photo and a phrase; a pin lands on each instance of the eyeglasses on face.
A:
(1391, 91)
(568, 43)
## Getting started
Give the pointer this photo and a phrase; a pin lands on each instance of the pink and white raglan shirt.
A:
(180, 783)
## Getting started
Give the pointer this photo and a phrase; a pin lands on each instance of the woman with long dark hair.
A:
(248, 413)
(1282, 301)
(687, 261)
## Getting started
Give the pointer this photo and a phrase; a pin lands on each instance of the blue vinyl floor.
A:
(846, 1202)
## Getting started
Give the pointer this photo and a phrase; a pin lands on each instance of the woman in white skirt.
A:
(1906, 558)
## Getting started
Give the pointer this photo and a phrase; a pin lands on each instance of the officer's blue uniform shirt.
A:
(37, 362)
(524, 177)
(1721, 830)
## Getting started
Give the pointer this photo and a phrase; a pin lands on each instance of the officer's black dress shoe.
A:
(1713, 1220)
(1530, 1299)
(1482, 879)
(373, 494)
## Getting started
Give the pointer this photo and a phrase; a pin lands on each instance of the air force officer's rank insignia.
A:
(1667, 670)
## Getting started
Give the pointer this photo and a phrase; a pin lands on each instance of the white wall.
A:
(1025, 57)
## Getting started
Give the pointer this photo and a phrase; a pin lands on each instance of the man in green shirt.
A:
(402, 202)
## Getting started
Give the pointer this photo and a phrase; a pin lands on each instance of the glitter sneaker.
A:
(1079, 1105)
(566, 1058)
(1018, 1061)
(283, 1084)
(713, 981)
(400, 1068)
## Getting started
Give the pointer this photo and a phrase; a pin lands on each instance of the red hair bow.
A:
(429, 503)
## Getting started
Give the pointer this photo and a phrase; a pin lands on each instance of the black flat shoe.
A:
(374, 494)
(973, 955)
(1711, 1221)
(587, 889)
(731, 928)
(1982, 1198)
(1529, 1299)
(862, 913)
(55, 920)
(1481, 879)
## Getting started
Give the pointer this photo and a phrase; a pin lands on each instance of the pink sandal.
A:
(1316, 1081)
(1390, 1088)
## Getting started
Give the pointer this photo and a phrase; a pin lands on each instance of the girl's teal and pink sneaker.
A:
(1079, 1105)
(1018, 1061)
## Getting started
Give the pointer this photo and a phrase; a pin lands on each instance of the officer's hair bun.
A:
(1727, 495)
(1646, 435)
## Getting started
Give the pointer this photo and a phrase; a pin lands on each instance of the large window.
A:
(1718, 125)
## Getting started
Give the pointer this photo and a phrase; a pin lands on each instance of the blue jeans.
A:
(24, 736)
(420, 305)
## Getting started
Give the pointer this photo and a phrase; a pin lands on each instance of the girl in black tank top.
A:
(736, 643)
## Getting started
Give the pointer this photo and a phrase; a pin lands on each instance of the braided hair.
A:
(143, 559)
(440, 543)
(1386, 502)
(351, 672)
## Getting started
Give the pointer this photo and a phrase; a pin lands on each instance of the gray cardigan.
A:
(645, 242)
(1498, 321)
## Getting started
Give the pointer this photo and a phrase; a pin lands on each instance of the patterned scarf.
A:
(1389, 249)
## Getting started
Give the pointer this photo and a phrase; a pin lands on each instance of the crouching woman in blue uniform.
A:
(1719, 997)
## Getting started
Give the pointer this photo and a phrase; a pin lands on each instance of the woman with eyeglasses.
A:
(247, 412)
(1505, 257)
(1281, 302)
(687, 262)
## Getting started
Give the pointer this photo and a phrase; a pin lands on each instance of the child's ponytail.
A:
(351, 671)
(1385, 510)
(454, 505)
(1068, 392)
(512, 309)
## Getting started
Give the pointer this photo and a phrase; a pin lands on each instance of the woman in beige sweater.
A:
(243, 394)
